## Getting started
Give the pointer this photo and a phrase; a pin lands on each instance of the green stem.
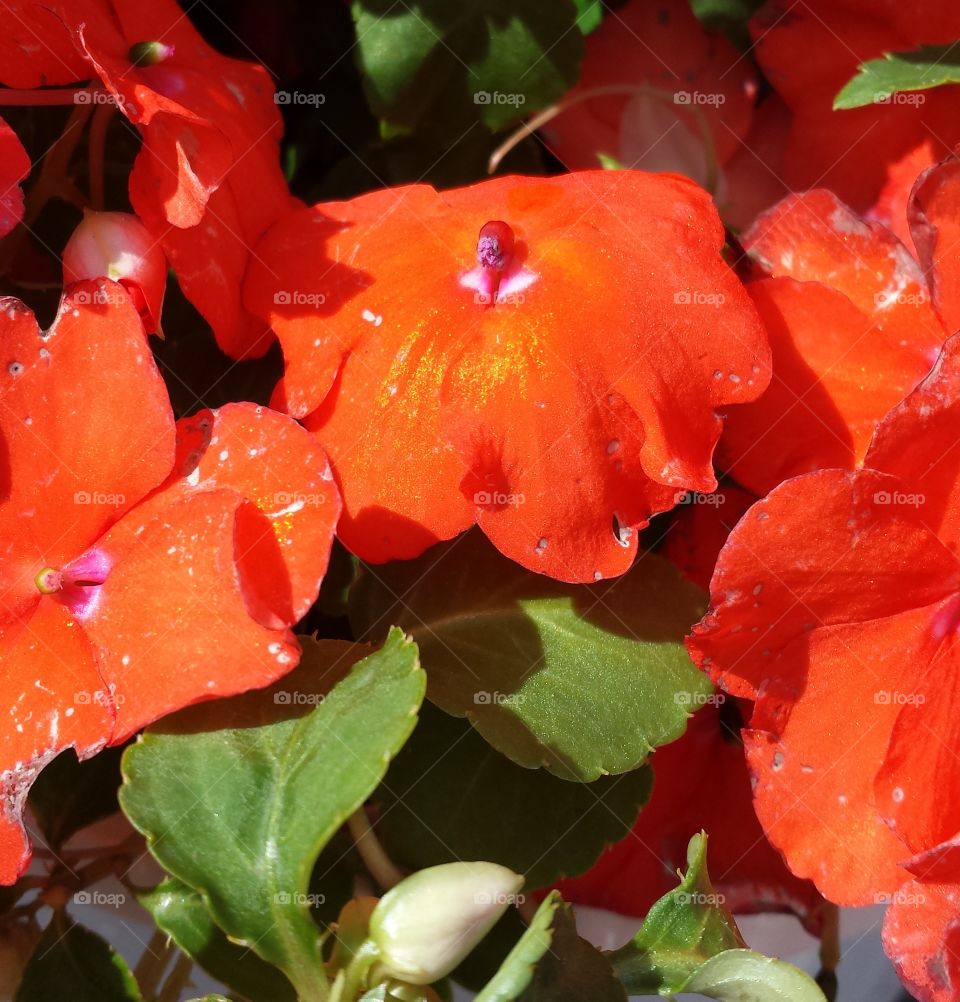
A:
(352, 979)
(382, 868)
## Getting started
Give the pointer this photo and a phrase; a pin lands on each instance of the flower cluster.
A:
(719, 322)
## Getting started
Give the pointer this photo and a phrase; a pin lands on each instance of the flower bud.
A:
(116, 245)
(149, 53)
(429, 922)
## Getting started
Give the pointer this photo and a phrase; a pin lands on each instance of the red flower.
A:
(557, 394)
(852, 330)
(701, 782)
(836, 606)
(14, 167)
(128, 544)
(207, 181)
(703, 83)
(868, 156)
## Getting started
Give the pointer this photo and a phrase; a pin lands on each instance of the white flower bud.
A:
(429, 922)
(116, 245)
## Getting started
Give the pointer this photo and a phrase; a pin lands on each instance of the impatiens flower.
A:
(14, 167)
(143, 565)
(693, 97)
(852, 329)
(207, 180)
(701, 782)
(836, 606)
(868, 156)
(555, 382)
(116, 245)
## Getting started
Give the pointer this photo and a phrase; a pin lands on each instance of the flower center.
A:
(77, 585)
(499, 275)
(495, 245)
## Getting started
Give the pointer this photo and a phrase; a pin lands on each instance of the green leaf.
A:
(238, 797)
(71, 962)
(516, 972)
(433, 61)
(524, 819)
(584, 680)
(682, 930)
(69, 795)
(608, 162)
(879, 81)
(589, 15)
(745, 976)
(180, 912)
(551, 963)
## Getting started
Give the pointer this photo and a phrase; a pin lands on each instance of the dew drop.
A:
(15, 368)
(612, 446)
(541, 545)
(897, 794)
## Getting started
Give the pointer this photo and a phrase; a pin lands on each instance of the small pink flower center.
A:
(77, 585)
(499, 275)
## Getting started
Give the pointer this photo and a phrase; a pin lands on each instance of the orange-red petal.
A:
(171, 624)
(85, 426)
(53, 698)
(935, 225)
(570, 410)
(273, 463)
(14, 167)
(852, 331)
